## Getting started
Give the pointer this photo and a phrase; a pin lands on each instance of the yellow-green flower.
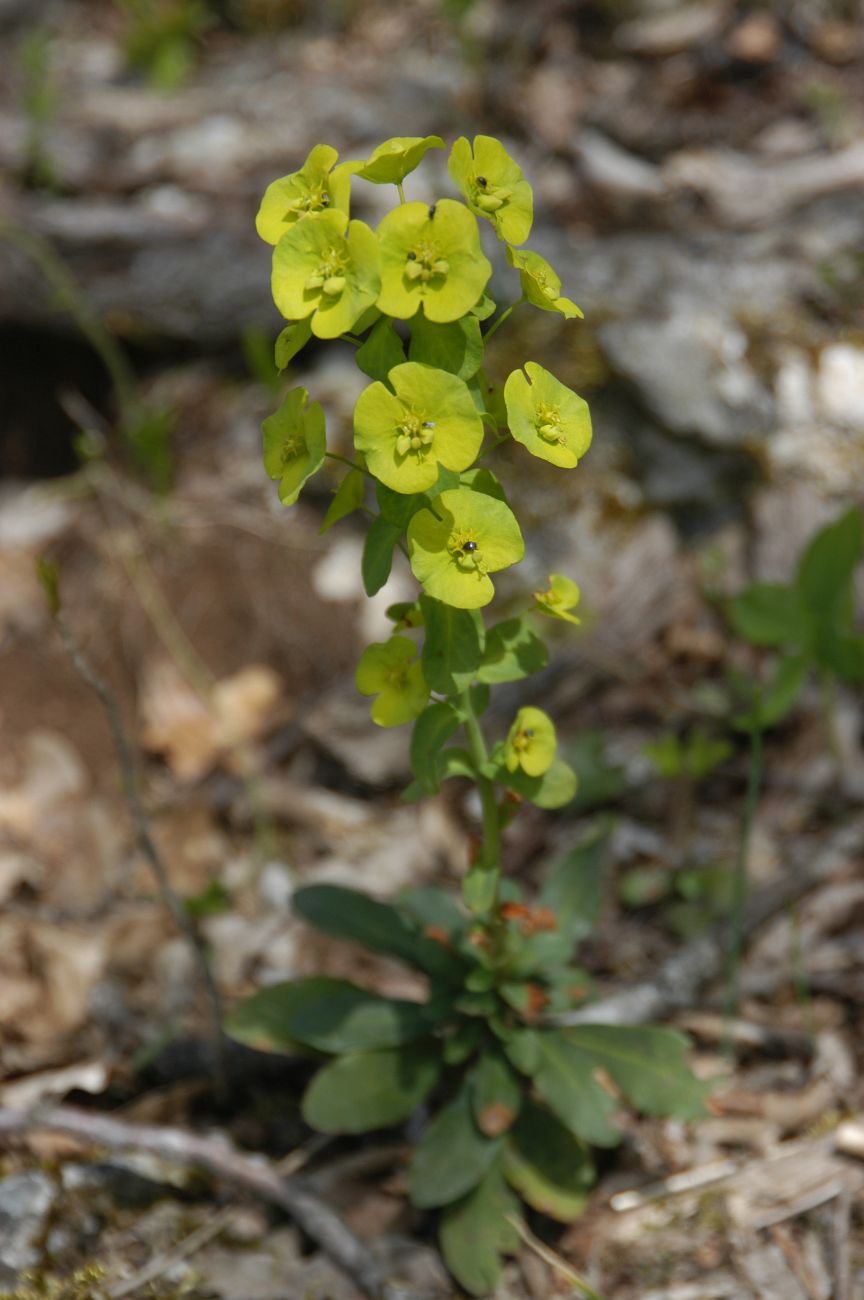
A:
(531, 744)
(429, 419)
(540, 283)
(557, 601)
(294, 443)
(494, 186)
(391, 162)
(458, 542)
(326, 267)
(547, 417)
(431, 256)
(390, 670)
(319, 185)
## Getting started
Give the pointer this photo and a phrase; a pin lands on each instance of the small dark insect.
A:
(412, 257)
(482, 182)
(469, 547)
(432, 207)
(325, 200)
(529, 734)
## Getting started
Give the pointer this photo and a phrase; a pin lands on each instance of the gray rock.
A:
(25, 1204)
(691, 371)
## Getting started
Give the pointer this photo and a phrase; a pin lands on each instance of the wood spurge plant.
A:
(511, 1101)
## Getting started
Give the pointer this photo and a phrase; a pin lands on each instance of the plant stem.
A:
(828, 694)
(490, 856)
(352, 464)
(501, 319)
(754, 786)
(401, 191)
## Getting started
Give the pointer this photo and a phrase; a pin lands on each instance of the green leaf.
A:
(381, 352)
(555, 788)
(397, 507)
(513, 650)
(843, 655)
(380, 927)
(565, 1080)
(523, 1051)
(770, 615)
(478, 889)
(432, 906)
(451, 1158)
(549, 1168)
(476, 1232)
(369, 1090)
(378, 550)
(828, 565)
(348, 498)
(573, 885)
(453, 647)
(293, 338)
(456, 346)
(259, 1021)
(435, 725)
(496, 1095)
(648, 1065)
(335, 1016)
(463, 1042)
(600, 782)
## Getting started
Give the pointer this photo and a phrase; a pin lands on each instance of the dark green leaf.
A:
(381, 352)
(513, 650)
(483, 480)
(432, 906)
(291, 340)
(378, 554)
(259, 1021)
(452, 1156)
(461, 1044)
(523, 1051)
(335, 1016)
(476, 1232)
(600, 782)
(648, 1065)
(551, 1169)
(456, 346)
(369, 1090)
(843, 654)
(453, 647)
(772, 704)
(479, 888)
(434, 726)
(565, 1080)
(348, 498)
(770, 615)
(496, 1094)
(573, 885)
(396, 507)
(380, 927)
(827, 567)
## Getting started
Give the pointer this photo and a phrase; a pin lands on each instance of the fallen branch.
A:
(217, 1155)
(686, 973)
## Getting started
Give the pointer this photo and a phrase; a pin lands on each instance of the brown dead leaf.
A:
(53, 772)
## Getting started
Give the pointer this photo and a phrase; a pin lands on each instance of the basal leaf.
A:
(565, 1080)
(648, 1065)
(368, 1090)
(453, 647)
(513, 651)
(477, 1231)
(333, 1015)
(452, 1157)
(550, 1169)
(260, 1021)
(496, 1094)
(380, 927)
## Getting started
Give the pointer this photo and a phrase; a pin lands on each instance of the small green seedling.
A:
(810, 621)
(513, 1101)
(162, 38)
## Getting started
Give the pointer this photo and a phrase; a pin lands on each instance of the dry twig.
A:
(254, 1173)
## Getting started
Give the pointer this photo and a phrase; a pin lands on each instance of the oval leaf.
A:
(369, 1090)
(452, 1157)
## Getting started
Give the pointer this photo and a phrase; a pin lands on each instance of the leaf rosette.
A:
(428, 420)
(454, 549)
(560, 597)
(494, 186)
(319, 185)
(548, 418)
(294, 443)
(531, 743)
(541, 285)
(326, 268)
(391, 670)
(391, 162)
(431, 257)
